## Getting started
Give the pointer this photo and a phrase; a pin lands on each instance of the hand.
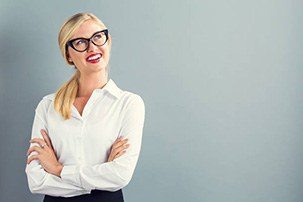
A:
(46, 154)
(118, 149)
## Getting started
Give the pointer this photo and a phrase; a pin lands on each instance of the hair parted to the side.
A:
(67, 93)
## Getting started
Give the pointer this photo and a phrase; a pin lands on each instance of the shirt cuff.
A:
(70, 174)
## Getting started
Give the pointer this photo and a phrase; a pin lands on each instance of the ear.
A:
(68, 57)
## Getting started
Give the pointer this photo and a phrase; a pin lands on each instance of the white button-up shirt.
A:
(82, 143)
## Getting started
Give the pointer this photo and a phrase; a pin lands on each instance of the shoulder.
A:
(132, 104)
(44, 103)
(49, 97)
(131, 98)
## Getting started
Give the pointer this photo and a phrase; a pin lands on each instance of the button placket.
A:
(80, 142)
(95, 97)
(90, 101)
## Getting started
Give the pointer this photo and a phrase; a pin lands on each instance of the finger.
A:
(119, 143)
(33, 157)
(120, 154)
(119, 149)
(34, 148)
(46, 138)
(124, 146)
(109, 158)
(118, 139)
(40, 141)
(30, 150)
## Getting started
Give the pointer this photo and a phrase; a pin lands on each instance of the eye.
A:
(97, 36)
(79, 42)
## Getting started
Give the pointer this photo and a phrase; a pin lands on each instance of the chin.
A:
(99, 68)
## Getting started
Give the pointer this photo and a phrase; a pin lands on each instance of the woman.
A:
(86, 137)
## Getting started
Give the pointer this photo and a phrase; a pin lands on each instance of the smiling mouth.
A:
(94, 58)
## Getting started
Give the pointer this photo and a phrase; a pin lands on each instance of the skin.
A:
(92, 76)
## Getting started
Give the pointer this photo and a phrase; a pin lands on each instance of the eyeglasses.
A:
(81, 44)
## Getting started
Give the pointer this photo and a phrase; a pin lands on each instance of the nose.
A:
(91, 47)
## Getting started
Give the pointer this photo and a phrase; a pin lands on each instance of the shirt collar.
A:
(110, 87)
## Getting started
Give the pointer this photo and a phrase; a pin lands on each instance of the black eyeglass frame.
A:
(70, 42)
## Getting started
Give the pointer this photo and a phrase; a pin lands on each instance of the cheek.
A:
(75, 56)
(78, 58)
(106, 53)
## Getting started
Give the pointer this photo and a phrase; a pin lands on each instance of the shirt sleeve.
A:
(40, 181)
(114, 175)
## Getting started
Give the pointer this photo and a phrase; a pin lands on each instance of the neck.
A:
(88, 83)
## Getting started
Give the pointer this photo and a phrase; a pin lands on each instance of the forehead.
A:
(87, 29)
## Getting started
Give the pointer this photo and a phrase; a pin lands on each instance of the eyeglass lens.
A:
(98, 39)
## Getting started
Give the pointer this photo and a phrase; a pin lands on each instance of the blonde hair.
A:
(66, 95)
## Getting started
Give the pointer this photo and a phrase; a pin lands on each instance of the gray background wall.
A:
(221, 80)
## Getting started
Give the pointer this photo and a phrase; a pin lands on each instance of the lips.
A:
(94, 58)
